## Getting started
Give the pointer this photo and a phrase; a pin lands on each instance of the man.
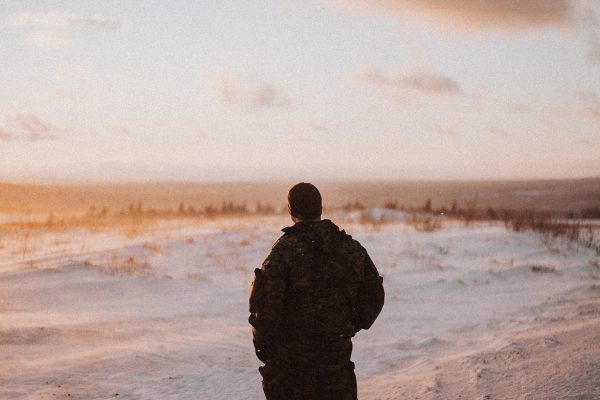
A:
(315, 291)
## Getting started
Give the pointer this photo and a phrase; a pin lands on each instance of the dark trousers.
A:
(309, 383)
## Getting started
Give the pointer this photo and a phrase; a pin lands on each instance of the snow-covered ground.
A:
(161, 313)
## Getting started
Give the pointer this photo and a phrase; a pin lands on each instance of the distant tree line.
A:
(569, 225)
(137, 209)
(471, 211)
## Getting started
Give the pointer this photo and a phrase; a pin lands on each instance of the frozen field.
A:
(161, 313)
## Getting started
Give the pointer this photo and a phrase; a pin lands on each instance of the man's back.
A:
(315, 290)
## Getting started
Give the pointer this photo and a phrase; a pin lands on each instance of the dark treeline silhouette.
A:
(189, 210)
(470, 210)
(572, 225)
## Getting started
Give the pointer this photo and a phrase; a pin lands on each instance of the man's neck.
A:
(299, 220)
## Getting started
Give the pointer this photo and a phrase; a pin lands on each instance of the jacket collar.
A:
(301, 224)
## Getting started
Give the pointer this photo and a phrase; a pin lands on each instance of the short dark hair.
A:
(304, 201)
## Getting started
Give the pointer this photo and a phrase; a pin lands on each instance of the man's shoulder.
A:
(287, 243)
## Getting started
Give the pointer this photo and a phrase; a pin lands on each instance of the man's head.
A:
(304, 202)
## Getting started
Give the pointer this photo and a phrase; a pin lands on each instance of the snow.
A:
(163, 313)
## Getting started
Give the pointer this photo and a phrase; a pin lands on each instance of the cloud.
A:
(34, 128)
(50, 39)
(59, 20)
(508, 15)
(26, 126)
(439, 130)
(589, 110)
(57, 29)
(240, 92)
(427, 81)
(5, 136)
(419, 80)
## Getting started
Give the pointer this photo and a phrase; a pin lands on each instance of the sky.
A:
(118, 90)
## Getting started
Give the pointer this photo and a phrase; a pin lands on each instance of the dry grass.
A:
(132, 225)
(425, 222)
(30, 264)
(245, 242)
(550, 229)
(25, 243)
(129, 265)
(87, 222)
(196, 276)
(154, 247)
(543, 268)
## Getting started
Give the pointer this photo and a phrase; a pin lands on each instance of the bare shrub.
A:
(470, 212)
(444, 251)
(424, 223)
(133, 229)
(131, 265)
(353, 206)
(154, 247)
(453, 207)
(196, 276)
(391, 205)
(264, 209)
(427, 207)
(367, 218)
(591, 212)
(573, 231)
(543, 268)
(29, 265)
(25, 242)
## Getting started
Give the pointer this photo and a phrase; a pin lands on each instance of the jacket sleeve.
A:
(266, 302)
(370, 296)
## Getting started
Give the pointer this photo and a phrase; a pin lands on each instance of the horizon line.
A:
(101, 182)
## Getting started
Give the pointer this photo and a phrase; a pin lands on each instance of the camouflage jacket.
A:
(315, 290)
